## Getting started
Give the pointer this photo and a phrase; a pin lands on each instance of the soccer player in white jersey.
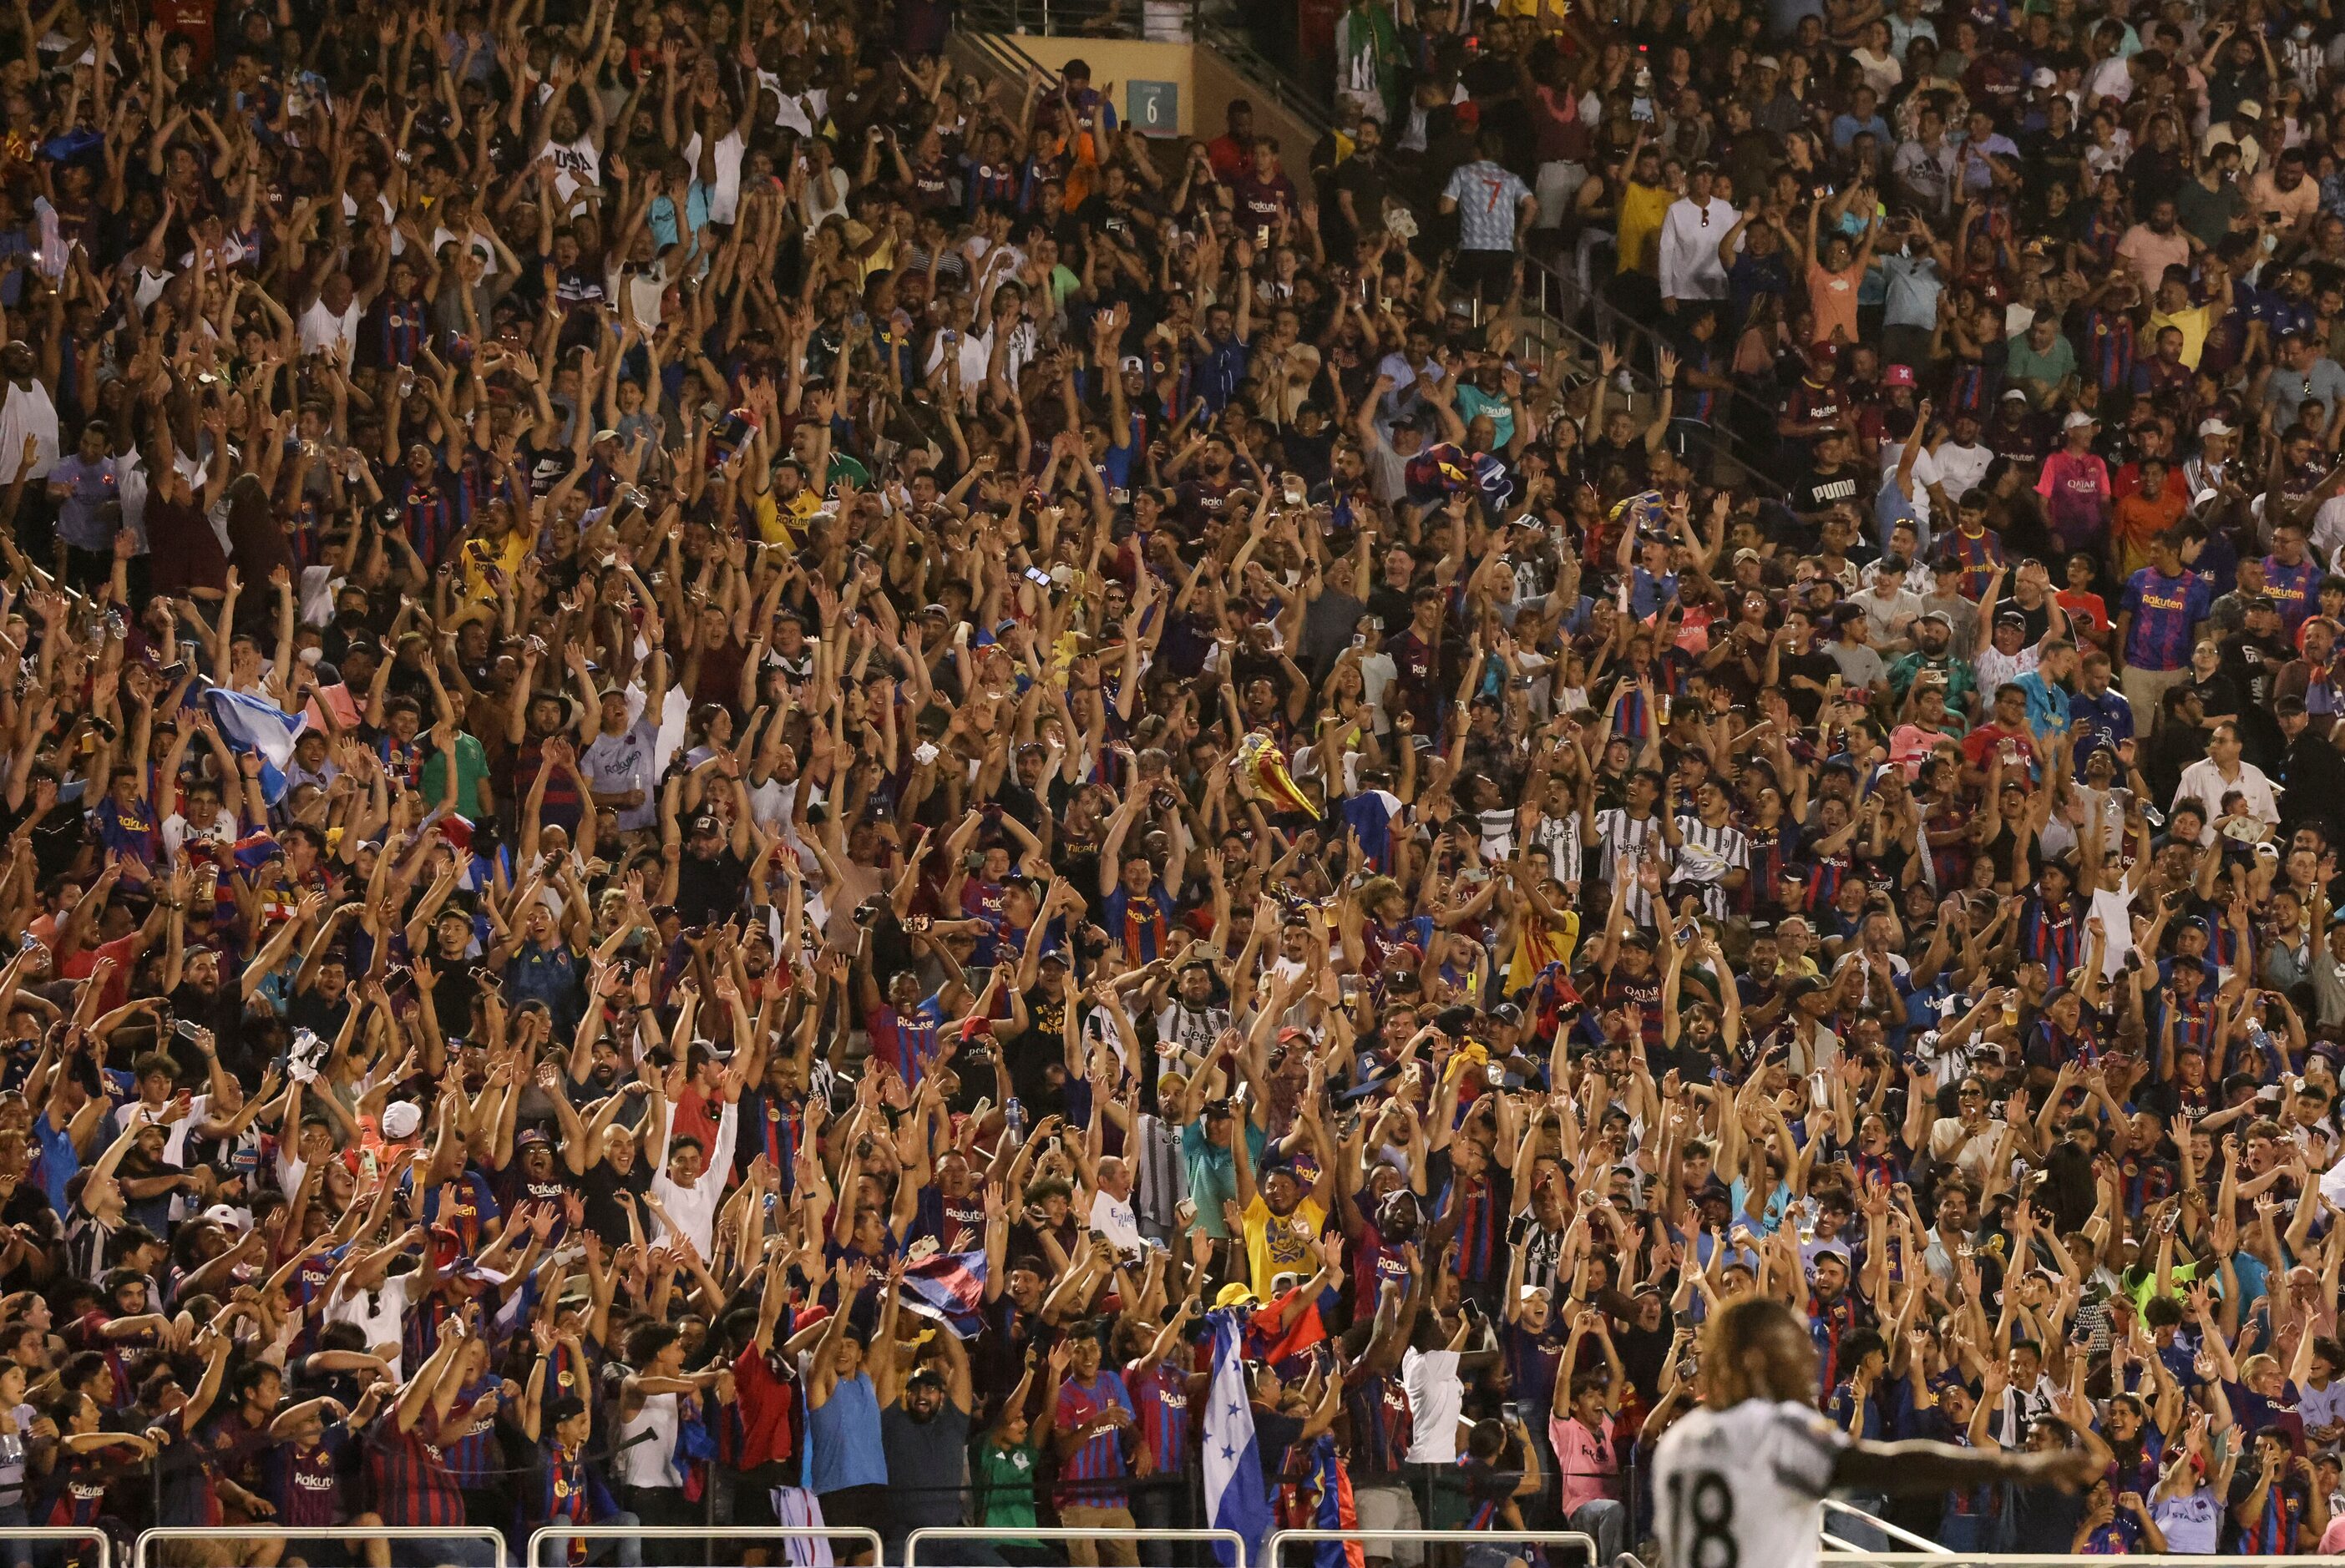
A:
(1736, 1481)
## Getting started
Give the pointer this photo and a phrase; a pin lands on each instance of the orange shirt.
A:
(1832, 296)
(2137, 521)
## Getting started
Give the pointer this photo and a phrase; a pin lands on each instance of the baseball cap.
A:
(2249, 110)
(2044, 77)
(2213, 428)
(2077, 416)
(1897, 376)
(705, 823)
(1133, 362)
(401, 1119)
(1766, 63)
(2011, 392)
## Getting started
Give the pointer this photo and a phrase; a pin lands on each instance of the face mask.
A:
(2303, 31)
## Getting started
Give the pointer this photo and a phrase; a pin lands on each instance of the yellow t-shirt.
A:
(479, 554)
(1642, 208)
(1274, 1246)
(2194, 322)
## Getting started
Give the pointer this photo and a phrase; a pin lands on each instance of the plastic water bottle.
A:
(1014, 1114)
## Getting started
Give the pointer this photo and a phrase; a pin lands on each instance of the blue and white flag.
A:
(1237, 1497)
(251, 724)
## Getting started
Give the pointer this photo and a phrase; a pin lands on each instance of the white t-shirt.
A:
(1961, 466)
(1115, 1219)
(1742, 1486)
(378, 1314)
(177, 830)
(1926, 472)
(1435, 1398)
(724, 195)
(321, 329)
(2329, 529)
(28, 411)
(576, 164)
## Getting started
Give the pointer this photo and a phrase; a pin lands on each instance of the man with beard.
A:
(1359, 183)
(924, 1426)
(1201, 497)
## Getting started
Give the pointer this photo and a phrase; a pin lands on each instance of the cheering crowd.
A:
(749, 784)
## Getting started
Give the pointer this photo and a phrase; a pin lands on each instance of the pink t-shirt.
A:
(2151, 253)
(1585, 1460)
(2075, 491)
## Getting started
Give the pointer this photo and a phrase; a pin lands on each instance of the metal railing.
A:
(1274, 1551)
(1922, 1544)
(141, 1553)
(63, 1533)
(1231, 1538)
(2074, 1560)
(869, 1539)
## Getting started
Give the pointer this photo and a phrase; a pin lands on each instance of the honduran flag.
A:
(949, 1287)
(253, 726)
(1316, 1494)
(1236, 1498)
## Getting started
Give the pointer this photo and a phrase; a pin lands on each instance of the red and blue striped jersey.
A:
(2053, 938)
(1481, 1225)
(1381, 1426)
(2274, 1529)
(305, 1484)
(471, 1449)
(1975, 556)
(2110, 348)
(409, 1475)
(1099, 1459)
(1162, 1400)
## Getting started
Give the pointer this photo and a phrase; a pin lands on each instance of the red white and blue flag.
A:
(949, 1287)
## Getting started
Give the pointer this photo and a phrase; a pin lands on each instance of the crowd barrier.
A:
(1275, 1550)
(1230, 1538)
(1938, 1559)
(867, 1539)
(65, 1533)
(1840, 1543)
(142, 1554)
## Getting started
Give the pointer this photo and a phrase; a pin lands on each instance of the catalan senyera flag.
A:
(1261, 765)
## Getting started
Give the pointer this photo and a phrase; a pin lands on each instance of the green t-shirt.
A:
(472, 767)
(2207, 214)
(1005, 1487)
(2053, 365)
